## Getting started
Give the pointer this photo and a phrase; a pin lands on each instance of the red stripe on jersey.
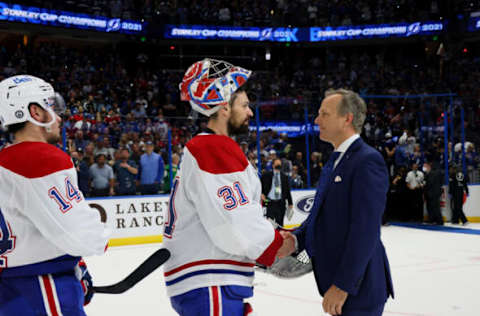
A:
(216, 305)
(34, 159)
(210, 261)
(268, 256)
(50, 298)
(217, 154)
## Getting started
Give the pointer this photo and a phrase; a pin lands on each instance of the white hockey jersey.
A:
(45, 222)
(215, 229)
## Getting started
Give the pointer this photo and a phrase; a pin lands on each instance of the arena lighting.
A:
(172, 47)
(465, 50)
(267, 54)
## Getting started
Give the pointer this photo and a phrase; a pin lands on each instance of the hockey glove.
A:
(85, 279)
(290, 267)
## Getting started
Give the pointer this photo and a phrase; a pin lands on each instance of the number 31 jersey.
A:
(215, 228)
(45, 222)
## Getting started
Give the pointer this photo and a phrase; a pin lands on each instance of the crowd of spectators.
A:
(115, 103)
(264, 12)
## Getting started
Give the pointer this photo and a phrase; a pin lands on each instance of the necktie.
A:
(319, 196)
(276, 182)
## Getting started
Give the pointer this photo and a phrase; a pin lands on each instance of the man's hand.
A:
(333, 300)
(124, 165)
(288, 246)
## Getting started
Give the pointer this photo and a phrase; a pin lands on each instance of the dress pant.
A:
(457, 210)
(276, 211)
(377, 311)
(433, 209)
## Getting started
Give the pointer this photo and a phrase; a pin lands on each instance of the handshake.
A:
(288, 246)
(287, 266)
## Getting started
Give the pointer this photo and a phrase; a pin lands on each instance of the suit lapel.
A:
(345, 158)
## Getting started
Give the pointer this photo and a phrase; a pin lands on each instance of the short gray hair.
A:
(351, 103)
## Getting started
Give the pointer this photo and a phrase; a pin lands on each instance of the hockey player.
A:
(45, 223)
(215, 228)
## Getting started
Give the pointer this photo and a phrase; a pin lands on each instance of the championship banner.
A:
(34, 15)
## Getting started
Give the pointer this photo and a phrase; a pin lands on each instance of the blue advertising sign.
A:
(474, 24)
(33, 15)
(311, 34)
(374, 31)
(292, 129)
(272, 34)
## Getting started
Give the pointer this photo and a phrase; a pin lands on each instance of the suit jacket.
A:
(433, 184)
(285, 184)
(345, 234)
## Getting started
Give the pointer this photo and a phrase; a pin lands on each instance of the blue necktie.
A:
(319, 197)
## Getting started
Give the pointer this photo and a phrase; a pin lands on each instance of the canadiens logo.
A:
(305, 204)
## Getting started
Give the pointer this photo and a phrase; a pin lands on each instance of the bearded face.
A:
(240, 115)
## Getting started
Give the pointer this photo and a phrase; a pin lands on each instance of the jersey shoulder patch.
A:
(34, 159)
(217, 154)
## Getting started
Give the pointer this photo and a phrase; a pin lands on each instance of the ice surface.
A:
(434, 274)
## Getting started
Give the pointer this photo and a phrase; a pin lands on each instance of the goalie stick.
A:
(158, 258)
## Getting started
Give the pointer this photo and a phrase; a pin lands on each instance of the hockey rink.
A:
(435, 273)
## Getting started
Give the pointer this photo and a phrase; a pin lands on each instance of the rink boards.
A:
(140, 219)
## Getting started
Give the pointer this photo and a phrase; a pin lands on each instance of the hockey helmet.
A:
(210, 83)
(18, 92)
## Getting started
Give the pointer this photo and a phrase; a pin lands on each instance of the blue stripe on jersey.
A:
(210, 271)
(59, 264)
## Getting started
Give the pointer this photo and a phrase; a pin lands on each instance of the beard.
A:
(237, 129)
(53, 139)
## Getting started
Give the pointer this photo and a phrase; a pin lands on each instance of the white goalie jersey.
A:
(45, 222)
(215, 229)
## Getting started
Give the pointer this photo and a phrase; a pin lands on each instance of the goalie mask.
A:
(18, 92)
(209, 84)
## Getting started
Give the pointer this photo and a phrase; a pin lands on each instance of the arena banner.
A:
(292, 129)
(474, 24)
(34, 15)
(133, 219)
(278, 34)
(303, 34)
(318, 34)
(139, 219)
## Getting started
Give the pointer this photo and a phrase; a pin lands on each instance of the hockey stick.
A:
(148, 266)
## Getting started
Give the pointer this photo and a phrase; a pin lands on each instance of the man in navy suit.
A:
(342, 232)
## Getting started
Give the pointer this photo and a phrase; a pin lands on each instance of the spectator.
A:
(415, 183)
(296, 181)
(276, 192)
(125, 173)
(83, 171)
(151, 171)
(83, 125)
(102, 176)
(166, 178)
(433, 192)
(458, 189)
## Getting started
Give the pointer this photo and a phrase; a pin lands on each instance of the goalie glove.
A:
(85, 280)
(289, 267)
